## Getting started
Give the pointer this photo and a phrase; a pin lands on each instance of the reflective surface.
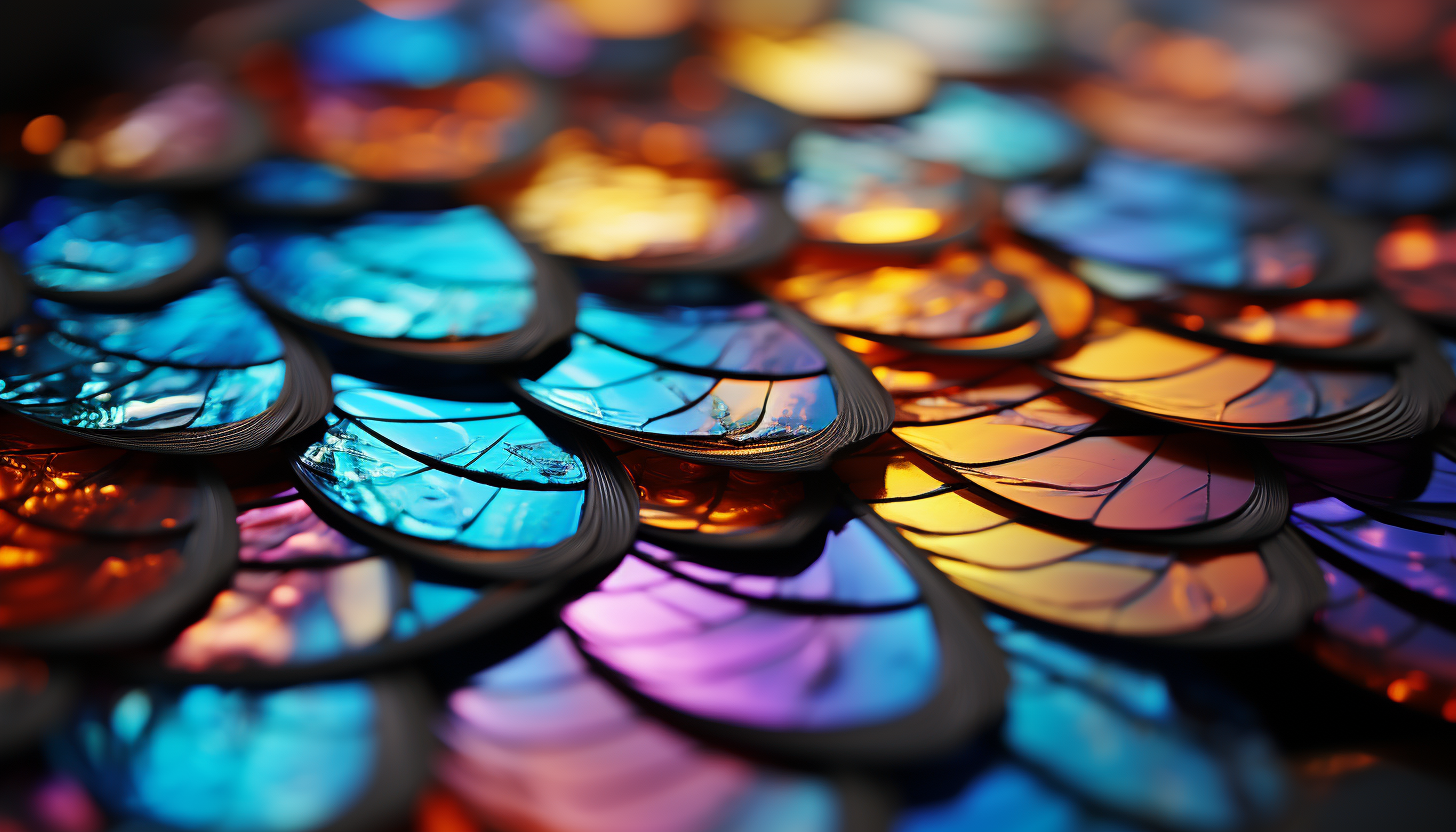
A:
(72, 243)
(208, 758)
(678, 495)
(428, 275)
(1195, 226)
(1416, 261)
(208, 359)
(1065, 580)
(991, 133)
(578, 755)
(475, 474)
(295, 185)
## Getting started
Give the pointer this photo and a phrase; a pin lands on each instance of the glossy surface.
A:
(608, 387)
(1193, 225)
(208, 359)
(427, 275)
(207, 758)
(859, 187)
(313, 614)
(1065, 580)
(1418, 264)
(960, 294)
(678, 495)
(1316, 323)
(991, 133)
(724, 658)
(578, 755)
(1164, 375)
(79, 244)
(584, 202)
(295, 184)
(476, 474)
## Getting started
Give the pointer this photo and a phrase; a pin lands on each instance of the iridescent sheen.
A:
(721, 657)
(680, 495)
(78, 244)
(210, 358)
(1315, 323)
(605, 386)
(429, 275)
(1010, 797)
(726, 339)
(477, 474)
(1194, 225)
(377, 48)
(1076, 582)
(859, 187)
(1117, 735)
(579, 755)
(295, 184)
(855, 570)
(310, 615)
(992, 134)
(290, 531)
(207, 758)
(1164, 375)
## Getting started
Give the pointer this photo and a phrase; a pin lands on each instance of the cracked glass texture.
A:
(204, 757)
(1065, 580)
(208, 359)
(1191, 224)
(605, 386)
(76, 244)
(425, 276)
(477, 474)
(723, 657)
(541, 721)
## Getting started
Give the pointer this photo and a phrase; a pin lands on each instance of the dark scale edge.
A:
(549, 322)
(14, 299)
(1296, 589)
(209, 236)
(981, 198)
(306, 396)
(608, 523)
(1040, 344)
(1261, 516)
(968, 698)
(769, 542)
(209, 554)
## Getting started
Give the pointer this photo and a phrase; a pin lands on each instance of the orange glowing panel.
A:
(680, 495)
(586, 202)
(632, 19)
(835, 70)
(43, 134)
(1064, 580)
(1417, 263)
(1163, 375)
(1313, 323)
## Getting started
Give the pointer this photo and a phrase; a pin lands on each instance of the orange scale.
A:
(1115, 352)
(1190, 479)
(886, 471)
(1006, 546)
(948, 514)
(1074, 592)
(1202, 393)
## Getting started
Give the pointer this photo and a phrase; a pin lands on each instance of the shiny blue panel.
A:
(1115, 735)
(73, 244)
(856, 569)
(730, 340)
(992, 134)
(427, 275)
(211, 759)
(1194, 225)
(208, 359)
(725, 658)
(295, 183)
(605, 386)
(376, 48)
(1008, 798)
(1423, 560)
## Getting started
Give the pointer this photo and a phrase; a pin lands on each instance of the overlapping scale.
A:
(90, 246)
(859, 187)
(538, 742)
(204, 374)
(826, 664)
(1003, 301)
(1192, 226)
(332, 755)
(1231, 594)
(737, 383)
(1216, 388)
(309, 603)
(102, 546)
(1378, 644)
(472, 484)
(1095, 743)
(447, 285)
